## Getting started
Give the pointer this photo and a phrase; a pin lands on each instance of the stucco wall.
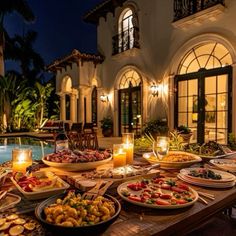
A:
(160, 44)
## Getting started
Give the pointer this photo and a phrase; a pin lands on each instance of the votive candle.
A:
(119, 155)
(21, 159)
(128, 142)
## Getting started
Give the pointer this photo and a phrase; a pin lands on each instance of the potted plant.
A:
(156, 127)
(107, 126)
(185, 132)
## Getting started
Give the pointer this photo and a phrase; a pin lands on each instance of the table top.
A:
(135, 220)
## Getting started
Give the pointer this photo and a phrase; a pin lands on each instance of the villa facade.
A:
(171, 59)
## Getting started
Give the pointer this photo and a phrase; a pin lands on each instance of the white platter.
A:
(44, 193)
(124, 186)
(170, 164)
(226, 177)
(77, 166)
(204, 184)
(225, 164)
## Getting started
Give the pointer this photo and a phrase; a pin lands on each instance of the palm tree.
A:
(21, 49)
(7, 7)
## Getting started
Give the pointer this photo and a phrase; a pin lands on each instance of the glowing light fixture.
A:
(155, 90)
(104, 98)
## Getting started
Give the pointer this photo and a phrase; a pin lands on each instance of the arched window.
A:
(130, 77)
(94, 99)
(205, 56)
(203, 92)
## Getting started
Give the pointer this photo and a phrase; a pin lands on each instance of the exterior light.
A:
(104, 98)
(154, 90)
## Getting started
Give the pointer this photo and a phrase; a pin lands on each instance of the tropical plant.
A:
(184, 129)
(176, 140)
(232, 141)
(10, 88)
(7, 7)
(156, 127)
(107, 126)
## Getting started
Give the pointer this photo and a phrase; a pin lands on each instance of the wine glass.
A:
(161, 147)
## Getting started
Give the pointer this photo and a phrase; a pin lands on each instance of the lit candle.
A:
(21, 159)
(119, 156)
(128, 141)
(129, 149)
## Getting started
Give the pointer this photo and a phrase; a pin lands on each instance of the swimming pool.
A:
(39, 147)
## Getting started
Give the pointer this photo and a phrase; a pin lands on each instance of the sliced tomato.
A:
(147, 190)
(135, 198)
(178, 190)
(183, 186)
(162, 202)
(165, 196)
(155, 195)
(166, 186)
(146, 194)
(181, 201)
(135, 187)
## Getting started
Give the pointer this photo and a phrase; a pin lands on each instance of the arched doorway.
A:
(203, 92)
(130, 102)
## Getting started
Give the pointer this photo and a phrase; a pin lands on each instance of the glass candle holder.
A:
(119, 155)
(21, 159)
(161, 146)
(128, 142)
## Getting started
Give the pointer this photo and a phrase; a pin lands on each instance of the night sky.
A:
(60, 27)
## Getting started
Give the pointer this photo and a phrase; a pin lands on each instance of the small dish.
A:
(10, 200)
(45, 193)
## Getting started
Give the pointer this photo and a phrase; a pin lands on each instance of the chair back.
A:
(77, 127)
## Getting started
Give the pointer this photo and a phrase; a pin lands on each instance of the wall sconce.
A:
(155, 90)
(104, 98)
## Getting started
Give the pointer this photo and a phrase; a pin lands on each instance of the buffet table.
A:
(135, 220)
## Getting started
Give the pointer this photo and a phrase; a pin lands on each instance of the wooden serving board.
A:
(74, 178)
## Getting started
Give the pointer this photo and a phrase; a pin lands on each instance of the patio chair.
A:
(90, 136)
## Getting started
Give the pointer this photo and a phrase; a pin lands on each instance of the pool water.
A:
(39, 148)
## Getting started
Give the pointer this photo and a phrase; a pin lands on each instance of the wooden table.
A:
(139, 221)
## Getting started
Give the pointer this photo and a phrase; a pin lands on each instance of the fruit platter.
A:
(40, 185)
(207, 177)
(160, 193)
(173, 160)
(14, 224)
(77, 160)
(70, 213)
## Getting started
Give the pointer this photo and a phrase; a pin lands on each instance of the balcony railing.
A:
(184, 8)
(126, 40)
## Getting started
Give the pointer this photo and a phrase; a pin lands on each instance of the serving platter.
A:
(163, 196)
(42, 193)
(93, 229)
(225, 164)
(225, 176)
(206, 184)
(150, 157)
(77, 166)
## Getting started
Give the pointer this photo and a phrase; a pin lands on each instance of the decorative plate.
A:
(158, 193)
(150, 157)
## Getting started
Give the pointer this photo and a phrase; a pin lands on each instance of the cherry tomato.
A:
(165, 196)
(162, 202)
(183, 186)
(166, 186)
(181, 201)
(155, 195)
(178, 190)
(135, 198)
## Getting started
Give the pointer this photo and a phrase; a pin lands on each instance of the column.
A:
(73, 107)
(233, 99)
(62, 107)
(81, 105)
